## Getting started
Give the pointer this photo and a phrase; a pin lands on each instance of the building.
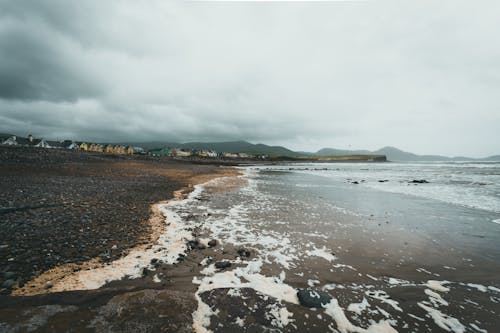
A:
(68, 144)
(181, 153)
(160, 152)
(8, 140)
(138, 150)
(96, 147)
(14, 140)
(119, 149)
(39, 143)
(83, 146)
(129, 150)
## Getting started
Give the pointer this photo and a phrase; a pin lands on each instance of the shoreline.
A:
(354, 259)
(65, 278)
(101, 206)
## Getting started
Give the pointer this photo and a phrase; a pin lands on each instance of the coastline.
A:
(361, 261)
(99, 176)
(71, 277)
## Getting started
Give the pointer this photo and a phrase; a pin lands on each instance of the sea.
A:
(392, 247)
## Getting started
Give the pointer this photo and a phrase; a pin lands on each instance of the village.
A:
(30, 141)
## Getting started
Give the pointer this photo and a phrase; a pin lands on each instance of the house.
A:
(230, 155)
(68, 144)
(8, 140)
(83, 146)
(119, 149)
(244, 155)
(55, 144)
(206, 153)
(181, 153)
(96, 147)
(108, 149)
(39, 143)
(160, 152)
(202, 153)
(129, 150)
(14, 140)
(138, 150)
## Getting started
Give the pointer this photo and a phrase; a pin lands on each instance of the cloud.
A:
(307, 75)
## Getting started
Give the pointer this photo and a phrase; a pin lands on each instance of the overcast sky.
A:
(423, 76)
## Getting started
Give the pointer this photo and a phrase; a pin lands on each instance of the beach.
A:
(285, 248)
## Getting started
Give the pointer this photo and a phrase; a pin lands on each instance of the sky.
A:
(423, 76)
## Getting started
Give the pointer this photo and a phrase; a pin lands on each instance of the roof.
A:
(56, 144)
(23, 141)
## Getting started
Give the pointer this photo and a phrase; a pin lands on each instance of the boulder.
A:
(244, 253)
(313, 298)
(419, 181)
(7, 284)
(222, 264)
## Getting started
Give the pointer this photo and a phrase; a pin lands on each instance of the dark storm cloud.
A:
(338, 74)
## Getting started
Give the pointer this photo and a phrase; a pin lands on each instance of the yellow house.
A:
(119, 149)
(108, 149)
(95, 147)
(84, 146)
(129, 150)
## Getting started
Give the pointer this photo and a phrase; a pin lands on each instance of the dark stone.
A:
(212, 243)
(193, 244)
(9, 275)
(244, 253)
(355, 182)
(419, 181)
(222, 264)
(7, 284)
(313, 298)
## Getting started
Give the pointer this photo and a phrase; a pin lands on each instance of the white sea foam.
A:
(279, 315)
(444, 321)
(435, 298)
(480, 330)
(334, 310)
(479, 287)
(494, 289)
(423, 270)
(312, 283)
(399, 282)
(358, 307)
(241, 277)
(438, 285)
(384, 298)
(322, 253)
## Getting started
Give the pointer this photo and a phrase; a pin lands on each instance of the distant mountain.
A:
(227, 147)
(398, 155)
(492, 158)
(338, 152)
(392, 153)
